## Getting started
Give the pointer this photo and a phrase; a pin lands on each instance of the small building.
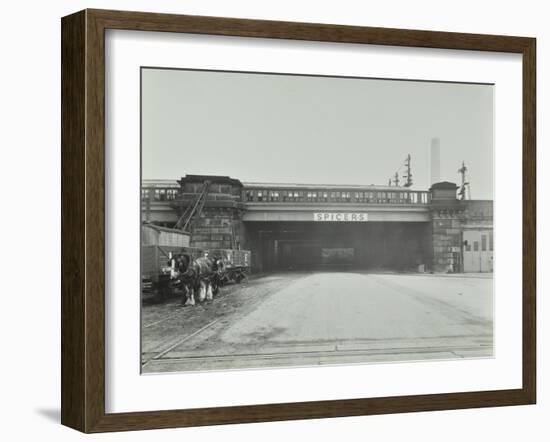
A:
(462, 231)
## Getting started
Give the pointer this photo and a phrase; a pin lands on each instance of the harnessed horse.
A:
(204, 274)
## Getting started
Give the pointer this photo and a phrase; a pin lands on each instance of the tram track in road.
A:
(178, 342)
(160, 321)
(163, 325)
(314, 357)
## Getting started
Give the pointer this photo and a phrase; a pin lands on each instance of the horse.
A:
(210, 273)
(182, 269)
(219, 277)
(203, 274)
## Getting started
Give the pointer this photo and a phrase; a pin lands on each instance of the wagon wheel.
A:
(239, 277)
(163, 292)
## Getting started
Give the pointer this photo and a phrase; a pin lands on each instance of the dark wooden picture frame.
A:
(83, 220)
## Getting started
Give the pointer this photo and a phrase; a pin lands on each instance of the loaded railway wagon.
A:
(159, 244)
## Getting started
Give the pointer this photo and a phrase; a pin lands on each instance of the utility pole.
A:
(396, 179)
(408, 174)
(462, 193)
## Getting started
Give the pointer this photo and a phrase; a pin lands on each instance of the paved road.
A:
(321, 318)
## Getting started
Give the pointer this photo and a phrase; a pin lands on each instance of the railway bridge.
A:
(311, 226)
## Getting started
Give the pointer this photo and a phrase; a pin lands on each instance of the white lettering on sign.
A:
(340, 217)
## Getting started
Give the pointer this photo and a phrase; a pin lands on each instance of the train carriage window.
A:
(160, 194)
(260, 195)
(483, 243)
(144, 194)
(491, 241)
(311, 196)
(171, 194)
(274, 196)
(250, 195)
(476, 246)
(325, 196)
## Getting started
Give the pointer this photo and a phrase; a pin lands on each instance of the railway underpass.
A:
(399, 246)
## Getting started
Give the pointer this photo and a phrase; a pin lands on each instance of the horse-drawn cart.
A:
(236, 262)
(160, 244)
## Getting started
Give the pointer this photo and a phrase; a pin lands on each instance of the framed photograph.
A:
(270, 220)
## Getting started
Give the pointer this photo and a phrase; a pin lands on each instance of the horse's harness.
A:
(191, 272)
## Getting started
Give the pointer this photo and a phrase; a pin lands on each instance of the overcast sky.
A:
(284, 128)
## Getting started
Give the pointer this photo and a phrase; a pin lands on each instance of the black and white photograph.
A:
(292, 220)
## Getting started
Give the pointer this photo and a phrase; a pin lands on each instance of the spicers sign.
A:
(340, 216)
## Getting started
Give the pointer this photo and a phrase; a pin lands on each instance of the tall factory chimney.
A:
(435, 161)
